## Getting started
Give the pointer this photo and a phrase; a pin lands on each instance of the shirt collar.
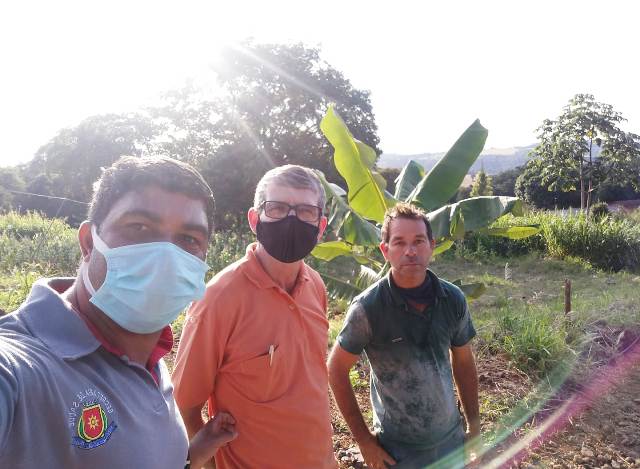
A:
(50, 318)
(399, 299)
(257, 275)
(70, 335)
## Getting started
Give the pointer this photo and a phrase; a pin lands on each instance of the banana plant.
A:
(356, 214)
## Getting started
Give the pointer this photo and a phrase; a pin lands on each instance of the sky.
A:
(432, 67)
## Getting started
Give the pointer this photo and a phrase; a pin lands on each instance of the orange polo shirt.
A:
(279, 400)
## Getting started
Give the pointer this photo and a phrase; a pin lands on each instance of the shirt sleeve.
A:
(464, 330)
(356, 330)
(200, 353)
(8, 396)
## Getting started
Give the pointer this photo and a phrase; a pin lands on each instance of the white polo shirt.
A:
(67, 402)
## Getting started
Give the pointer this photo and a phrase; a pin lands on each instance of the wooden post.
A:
(567, 296)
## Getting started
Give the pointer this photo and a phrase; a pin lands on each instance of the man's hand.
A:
(375, 455)
(217, 432)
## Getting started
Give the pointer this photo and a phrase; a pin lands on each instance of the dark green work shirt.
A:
(411, 381)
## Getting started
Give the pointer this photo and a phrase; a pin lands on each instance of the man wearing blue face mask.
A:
(256, 344)
(82, 380)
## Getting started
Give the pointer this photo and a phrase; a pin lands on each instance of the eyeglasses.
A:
(280, 210)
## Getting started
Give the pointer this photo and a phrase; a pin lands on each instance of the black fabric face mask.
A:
(287, 240)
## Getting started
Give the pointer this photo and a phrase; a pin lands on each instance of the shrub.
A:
(227, 247)
(606, 243)
(534, 338)
(609, 243)
(599, 210)
(31, 238)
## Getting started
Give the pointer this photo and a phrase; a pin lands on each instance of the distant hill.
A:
(494, 160)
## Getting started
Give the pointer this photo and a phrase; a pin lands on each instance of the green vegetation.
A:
(482, 185)
(31, 247)
(605, 242)
(354, 231)
(27, 240)
(578, 152)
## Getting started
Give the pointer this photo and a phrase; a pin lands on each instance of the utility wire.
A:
(48, 196)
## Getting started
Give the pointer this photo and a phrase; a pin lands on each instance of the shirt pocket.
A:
(259, 379)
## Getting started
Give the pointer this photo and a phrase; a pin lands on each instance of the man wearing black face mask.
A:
(255, 346)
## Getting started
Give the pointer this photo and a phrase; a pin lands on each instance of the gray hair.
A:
(290, 175)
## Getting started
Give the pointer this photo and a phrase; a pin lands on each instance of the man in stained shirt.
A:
(415, 330)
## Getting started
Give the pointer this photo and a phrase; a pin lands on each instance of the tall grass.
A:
(608, 243)
(534, 337)
(33, 242)
(226, 247)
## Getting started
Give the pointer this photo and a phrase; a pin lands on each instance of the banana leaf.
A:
(353, 161)
(443, 181)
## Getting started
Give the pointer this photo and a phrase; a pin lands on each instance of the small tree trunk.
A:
(567, 296)
(582, 192)
(590, 173)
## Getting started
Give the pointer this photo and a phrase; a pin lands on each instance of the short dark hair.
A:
(131, 173)
(408, 211)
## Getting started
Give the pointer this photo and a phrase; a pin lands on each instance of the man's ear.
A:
(384, 248)
(253, 216)
(322, 226)
(85, 239)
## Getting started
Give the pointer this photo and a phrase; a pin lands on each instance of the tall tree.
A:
(71, 161)
(530, 187)
(10, 180)
(583, 147)
(272, 97)
(504, 183)
(481, 184)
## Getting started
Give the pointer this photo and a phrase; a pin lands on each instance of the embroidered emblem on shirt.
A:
(94, 429)
(91, 419)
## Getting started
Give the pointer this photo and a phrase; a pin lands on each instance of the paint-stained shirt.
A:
(412, 391)
(66, 401)
(254, 350)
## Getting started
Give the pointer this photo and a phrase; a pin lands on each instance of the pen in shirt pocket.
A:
(271, 350)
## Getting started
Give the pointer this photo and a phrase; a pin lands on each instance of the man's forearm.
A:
(465, 376)
(192, 420)
(348, 405)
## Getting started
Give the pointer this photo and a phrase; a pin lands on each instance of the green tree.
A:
(481, 184)
(583, 147)
(531, 188)
(71, 161)
(504, 183)
(233, 175)
(272, 98)
(390, 175)
(10, 180)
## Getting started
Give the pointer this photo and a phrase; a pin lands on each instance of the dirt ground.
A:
(590, 422)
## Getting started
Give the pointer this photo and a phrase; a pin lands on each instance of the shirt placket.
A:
(295, 310)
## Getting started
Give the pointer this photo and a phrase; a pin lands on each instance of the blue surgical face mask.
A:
(146, 285)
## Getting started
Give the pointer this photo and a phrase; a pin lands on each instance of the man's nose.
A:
(411, 251)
